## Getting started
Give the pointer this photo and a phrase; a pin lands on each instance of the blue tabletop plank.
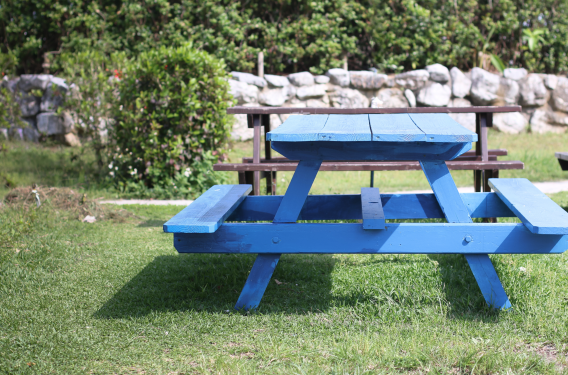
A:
(538, 212)
(395, 128)
(346, 128)
(440, 127)
(299, 128)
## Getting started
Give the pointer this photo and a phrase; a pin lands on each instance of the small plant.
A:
(533, 37)
(170, 123)
(10, 113)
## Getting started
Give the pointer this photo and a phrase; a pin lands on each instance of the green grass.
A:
(117, 298)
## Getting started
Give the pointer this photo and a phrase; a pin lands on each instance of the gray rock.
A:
(467, 120)
(10, 84)
(30, 82)
(512, 123)
(249, 79)
(4, 133)
(301, 79)
(516, 74)
(54, 95)
(508, 93)
(31, 134)
(275, 121)
(276, 81)
(71, 140)
(277, 97)
(309, 92)
(413, 80)
(322, 80)
(338, 76)
(316, 103)
(460, 83)
(544, 120)
(29, 104)
(438, 73)
(409, 95)
(49, 123)
(533, 91)
(16, 134)
(389, 98)
(365, 80)
(434, 94)
(68, 122)
(243, 92)
(240, 130)
(484, 87)
(550, 81)
(560, 95)
(348, 98)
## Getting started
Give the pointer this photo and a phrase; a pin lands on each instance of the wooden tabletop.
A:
(408, 127)
(353, 111)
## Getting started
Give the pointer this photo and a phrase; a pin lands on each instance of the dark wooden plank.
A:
(209, 211)
(372, 209)
(346, 111)
(537, 212)
(256, 152)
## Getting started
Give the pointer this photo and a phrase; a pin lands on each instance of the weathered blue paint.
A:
(395, 128)
(538, 212)
(299, 128)
(257, 281)
(440, 127)
(346, 128)
(348, 207)
(209, 211)
(403, 238)
(372, 209)
(456, 211)
(370, 150)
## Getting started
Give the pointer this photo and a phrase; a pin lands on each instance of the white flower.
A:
(110, 166)
(187, 172)
(522, 269)
(111, 173)
(120, 108)
(116, 168)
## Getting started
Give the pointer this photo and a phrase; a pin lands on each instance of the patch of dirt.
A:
(548, 352)
(77, 204)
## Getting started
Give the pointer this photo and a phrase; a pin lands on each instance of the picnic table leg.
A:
(456, 211)
(288, 212)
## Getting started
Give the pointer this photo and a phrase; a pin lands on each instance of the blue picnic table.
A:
(226, 220)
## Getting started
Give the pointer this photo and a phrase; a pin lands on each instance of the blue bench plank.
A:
(346, 128)
(299, 128)
(406, 238)
(209, 211)
(372, 209)
(395, 128)
(348, 207)
(538, 212)
(440, 127)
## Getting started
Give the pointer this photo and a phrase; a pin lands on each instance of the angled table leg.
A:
(456, 211)
(288, 212)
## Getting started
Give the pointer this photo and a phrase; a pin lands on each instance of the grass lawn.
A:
(115, 297)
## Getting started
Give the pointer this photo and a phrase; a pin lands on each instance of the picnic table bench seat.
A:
(226, 219)
(562, 160)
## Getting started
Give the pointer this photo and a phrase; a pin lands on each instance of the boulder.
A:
(31, 134)
(516, 74)
(276, 81)
(240, 130)
(512, 123)
(438, 73)
(29, 104)
(508, 93)
(30, 82)
(434, 94)
(365, 80)
(322, 80)
(545, 120)
(348, 98)
(308, 92)
(275, 121)
(389, 98)
(550, 81)
(71, 140)
(560, 95)
(4, 133)
(276, 97)
(10, 84)
(484, 87)
(413, 80)
(533, 91)
(460, 83)
(242, 92)
(49, 123)
(338, 76)
(68, 122)
(16, 134)
(54, 95)
(302, 79)
(249, 79)
(409, 95)
(467, 120)
(315, 103)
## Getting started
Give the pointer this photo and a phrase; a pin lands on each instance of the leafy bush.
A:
(296, 35)
(170, 123)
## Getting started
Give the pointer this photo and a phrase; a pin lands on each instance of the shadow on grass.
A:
(152, 223)
(212, 282)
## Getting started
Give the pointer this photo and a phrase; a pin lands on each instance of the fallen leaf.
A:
(278, 282)
(89, 219)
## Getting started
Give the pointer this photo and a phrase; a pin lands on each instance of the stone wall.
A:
(39, 96)
(544, 97)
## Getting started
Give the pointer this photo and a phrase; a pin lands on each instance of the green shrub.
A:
(170, 123)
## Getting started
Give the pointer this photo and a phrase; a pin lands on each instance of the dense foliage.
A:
(170, 123)
(294, 34)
